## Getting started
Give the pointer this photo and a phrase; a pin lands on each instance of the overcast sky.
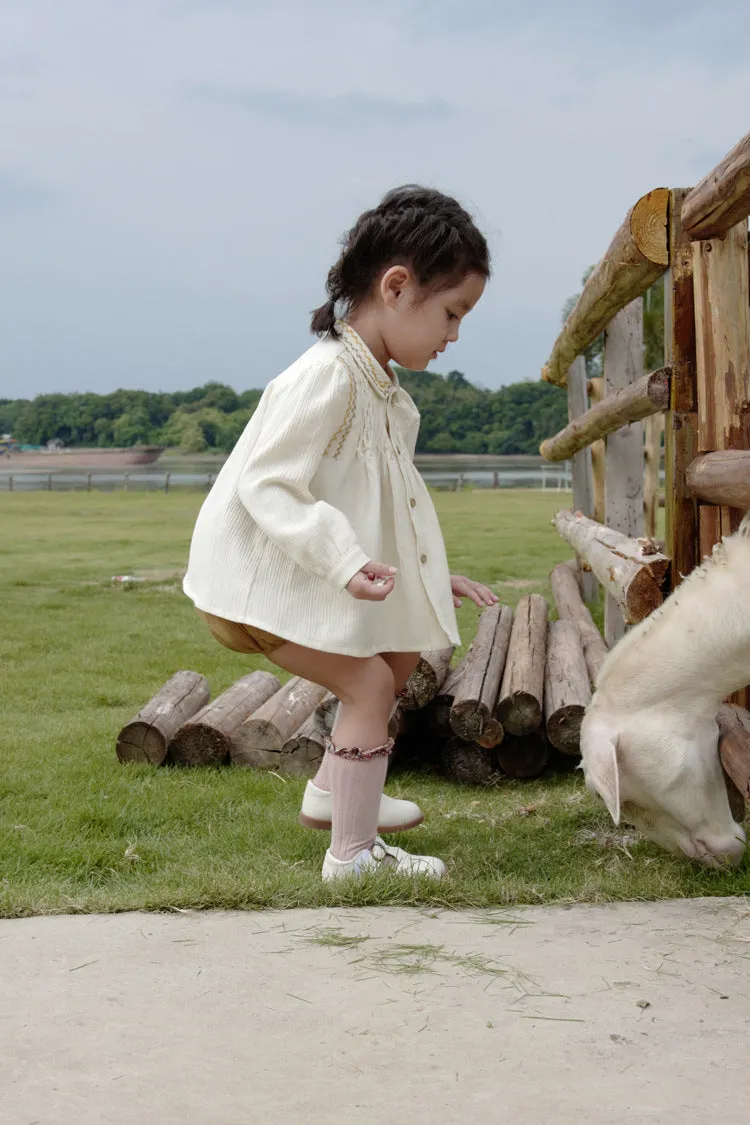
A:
(175, 174)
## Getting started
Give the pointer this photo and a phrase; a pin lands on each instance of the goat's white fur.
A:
(649, 737)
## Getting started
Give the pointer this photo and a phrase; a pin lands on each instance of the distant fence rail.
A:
(103, 482)
(557, 477)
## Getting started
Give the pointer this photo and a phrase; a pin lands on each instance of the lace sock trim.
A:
(354, 753)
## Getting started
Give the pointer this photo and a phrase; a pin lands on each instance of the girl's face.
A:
(415, 328)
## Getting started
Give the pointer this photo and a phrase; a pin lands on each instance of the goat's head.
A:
(665, 779)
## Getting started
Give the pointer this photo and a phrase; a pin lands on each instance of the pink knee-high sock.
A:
(322, 778)
(356, 787)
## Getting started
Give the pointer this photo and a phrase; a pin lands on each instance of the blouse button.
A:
(413, 502)
(423, 558)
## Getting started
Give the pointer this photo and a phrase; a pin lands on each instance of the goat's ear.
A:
(744, 528)
(599, 753)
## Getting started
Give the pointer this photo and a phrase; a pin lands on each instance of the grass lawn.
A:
(80, 832)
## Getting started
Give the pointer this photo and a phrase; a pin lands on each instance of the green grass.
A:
(80, 832)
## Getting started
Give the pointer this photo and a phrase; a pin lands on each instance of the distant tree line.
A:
(457, 417)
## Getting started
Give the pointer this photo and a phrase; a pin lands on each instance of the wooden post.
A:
(583, 474)
(623, 465)
(88, 482)
(126, 482)
(49, 482)
(166, 481)
(722, 322)
(597, 457)
(652, 463)
(10, 483)
(681, 422)
(570, 607)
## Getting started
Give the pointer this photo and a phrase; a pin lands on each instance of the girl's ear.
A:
(392, 284)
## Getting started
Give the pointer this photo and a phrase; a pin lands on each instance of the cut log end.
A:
(649, 226)
(564, 729)
(139, 742)
(642, 597)
(467, 763)
(522, 757)
(520, 713)
(198, 746)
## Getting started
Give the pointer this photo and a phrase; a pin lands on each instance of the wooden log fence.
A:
(637, 256)
(647, 396)
(702, 393)
(628, 569)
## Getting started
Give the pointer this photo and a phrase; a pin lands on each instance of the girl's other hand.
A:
(464, 588)
(373, 583)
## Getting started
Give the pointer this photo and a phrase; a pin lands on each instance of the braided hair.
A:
(412, 225)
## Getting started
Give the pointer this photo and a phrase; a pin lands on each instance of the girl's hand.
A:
(464, 587)
(373, 583)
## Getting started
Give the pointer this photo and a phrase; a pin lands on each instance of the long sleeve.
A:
(303, 420)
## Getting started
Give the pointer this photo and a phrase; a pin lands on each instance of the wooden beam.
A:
(722, 198)
(681, 423)
(648, 395)
(622, 566)
(637, 255)
(721, 478)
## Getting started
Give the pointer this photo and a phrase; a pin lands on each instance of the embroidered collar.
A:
(365, 361)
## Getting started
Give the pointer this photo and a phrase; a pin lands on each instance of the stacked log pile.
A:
(511, 707)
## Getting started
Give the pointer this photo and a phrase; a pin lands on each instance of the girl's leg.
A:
(365, 688)
(402, 664)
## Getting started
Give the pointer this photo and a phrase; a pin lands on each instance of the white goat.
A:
(649, 739)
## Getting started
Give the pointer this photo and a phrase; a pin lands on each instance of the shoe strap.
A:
(383, 855)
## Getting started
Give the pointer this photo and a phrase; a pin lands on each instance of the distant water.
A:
(184, 472)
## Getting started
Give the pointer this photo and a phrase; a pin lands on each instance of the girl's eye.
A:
(451, 316)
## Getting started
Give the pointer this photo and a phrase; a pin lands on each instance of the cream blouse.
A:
(321, 482)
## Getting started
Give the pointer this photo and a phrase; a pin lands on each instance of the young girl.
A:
(318, 545)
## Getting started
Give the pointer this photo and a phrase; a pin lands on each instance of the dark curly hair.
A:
(412, 225)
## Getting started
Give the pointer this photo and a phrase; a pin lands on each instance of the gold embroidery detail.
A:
(362, 353)
(342, 433)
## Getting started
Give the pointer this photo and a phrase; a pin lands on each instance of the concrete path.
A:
(630, 1013)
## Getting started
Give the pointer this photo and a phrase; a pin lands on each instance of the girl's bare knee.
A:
(371, 683)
